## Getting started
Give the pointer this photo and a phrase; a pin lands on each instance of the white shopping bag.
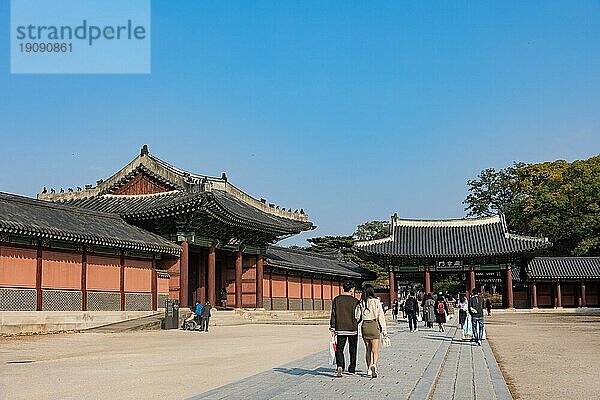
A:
(332, 347)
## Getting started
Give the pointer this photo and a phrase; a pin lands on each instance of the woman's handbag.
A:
(385, 341)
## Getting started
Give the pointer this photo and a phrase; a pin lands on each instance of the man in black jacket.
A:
(343, 324)
(412, 309)
(476, 304)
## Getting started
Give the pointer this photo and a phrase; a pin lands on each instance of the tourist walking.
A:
(441, 309)
(463, 307)
(430, 307)
(402, 307)
(207, 312)
(395, 310)
(488, 306)
(344, 326)
(223, 297)
(412, 308)
(370, 313)
(476, 304)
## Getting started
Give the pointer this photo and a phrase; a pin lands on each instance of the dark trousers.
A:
(204, 324)
(339, 351)
(462, 316)
(412, 320)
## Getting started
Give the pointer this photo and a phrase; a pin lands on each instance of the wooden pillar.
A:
(583, 302)
(393, 290)
(301, 292)
(312, 292)
(509, 289)
(122, 280)
(238, 279)
(322, 299)
(84, 280)
(558, 295)
(427, 281)
(259, 281)
(271, 288)
(471, 279)
(201, 291)
(212, 275)
(38, 278)
(154, 285)
(184, 280)
(287, 296)
(534, 294)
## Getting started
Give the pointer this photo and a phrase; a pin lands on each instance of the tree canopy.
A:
(558, 200)
(366, 231)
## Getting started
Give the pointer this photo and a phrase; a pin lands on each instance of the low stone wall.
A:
(22, 322)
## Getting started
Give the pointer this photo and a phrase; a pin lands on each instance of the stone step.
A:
(152, 322)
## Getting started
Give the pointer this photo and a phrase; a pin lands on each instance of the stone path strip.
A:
(423, 365)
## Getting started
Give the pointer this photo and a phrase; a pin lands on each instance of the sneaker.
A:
(417, 330)
(370, 372)
(374, 369)
(339, 372)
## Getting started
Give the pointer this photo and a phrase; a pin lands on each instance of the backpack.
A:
(408, 305)
(440, 307)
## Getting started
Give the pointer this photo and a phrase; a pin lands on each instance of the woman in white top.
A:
(370, 313)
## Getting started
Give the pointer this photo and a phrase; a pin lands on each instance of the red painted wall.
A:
(138, 279)
(61, 270)
(103, 273)
(17, 267)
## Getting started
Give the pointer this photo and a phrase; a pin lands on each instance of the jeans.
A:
(412, 320)
(339, 351)
(204, 324)
(477, 328)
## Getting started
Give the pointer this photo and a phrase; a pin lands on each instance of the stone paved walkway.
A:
(423, 365)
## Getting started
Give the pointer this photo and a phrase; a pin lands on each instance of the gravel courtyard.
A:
(547, 355)
(147, 365)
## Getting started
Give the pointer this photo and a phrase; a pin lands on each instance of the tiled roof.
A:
(563, 268)
(189, 192)
(318, 263)
(218, 203)
(39, 219)
(451, 238)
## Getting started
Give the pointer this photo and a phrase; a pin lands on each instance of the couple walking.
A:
(346, 314)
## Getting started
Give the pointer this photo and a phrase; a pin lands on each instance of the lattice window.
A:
(138, 301)
(18, 299)
(103, 301)
(61, 300)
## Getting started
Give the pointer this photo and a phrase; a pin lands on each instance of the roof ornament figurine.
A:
(44, 190)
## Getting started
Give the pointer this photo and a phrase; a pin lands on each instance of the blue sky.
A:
(350, 110)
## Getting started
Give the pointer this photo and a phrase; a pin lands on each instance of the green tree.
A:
(559, 200)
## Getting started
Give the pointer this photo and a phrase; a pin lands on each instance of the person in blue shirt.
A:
(198, 311)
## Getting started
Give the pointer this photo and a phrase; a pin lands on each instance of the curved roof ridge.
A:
(523, 237)
(396, 221)
(138, 196)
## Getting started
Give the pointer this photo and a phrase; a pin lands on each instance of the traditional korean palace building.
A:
(488, 255)
(153, 231)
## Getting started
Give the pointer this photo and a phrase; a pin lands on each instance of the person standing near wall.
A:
(223, 297)
(344, 326)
